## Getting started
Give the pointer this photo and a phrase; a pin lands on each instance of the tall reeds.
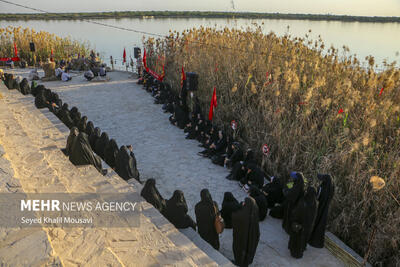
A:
(319, 110)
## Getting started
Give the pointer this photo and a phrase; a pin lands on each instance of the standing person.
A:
(293, 195)
(310, 213)
(246, 232)
(152, 196)
(325, 194)
(261, 201)
(229, 205)
(176, 211)
(139, 65)
(206, 211)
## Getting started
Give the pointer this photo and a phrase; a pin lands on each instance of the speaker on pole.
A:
(192, 81)
(32, 46)
(136, 52)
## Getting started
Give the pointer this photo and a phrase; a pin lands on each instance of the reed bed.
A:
(63, 48)
(320, 110)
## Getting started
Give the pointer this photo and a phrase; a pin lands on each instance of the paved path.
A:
(127, 113)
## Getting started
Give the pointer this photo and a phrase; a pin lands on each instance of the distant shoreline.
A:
(191, 14)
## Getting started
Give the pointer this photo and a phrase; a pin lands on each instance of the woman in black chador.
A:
(229, 205)
(41, 101)
(261, 201)
(73, 135)
(246, 232)
(101, 144)
(89, 129)
(65, 116)
(301, 222)
(82, 124)
(151, 195)
(82, 153)
(176, 211)
(94, 137)
(125, 165)
(325, 194)
(110, 153)
(292, 197)
(206, 211)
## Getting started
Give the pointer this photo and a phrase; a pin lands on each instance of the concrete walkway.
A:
(127, 113)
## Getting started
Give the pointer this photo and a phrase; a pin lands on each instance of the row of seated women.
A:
(243, 218)
(86, 145)
(304, 212)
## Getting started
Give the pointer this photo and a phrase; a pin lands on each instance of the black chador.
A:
(325, 194)
(229, 205)
(176, 211)
(110, 153)
(261, 201)
(94, 137)
(101, 144)
(151, 195)
(125, 164)
(293, 195)
(246, 232)
(82, 153)
(206, 211)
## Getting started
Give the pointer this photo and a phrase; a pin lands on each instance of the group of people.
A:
(242, 218)
(86, 145)
(304, 211)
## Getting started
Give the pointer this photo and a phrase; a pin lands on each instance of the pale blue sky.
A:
(347, 7)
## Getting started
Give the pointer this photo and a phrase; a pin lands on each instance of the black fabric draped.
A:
(229, 205)
(294, 194)
(246, 232)
(176, 211)
(82, 153)
(76, 118)
(101, 144)
(255, 176)
(274, 192)
(41, 101)
(151, 195)
(89, 129)
(110, 153)
(126, 165)
(311, 211)
(206, 211)
(71, 139)
(326, 192)
(35, 90)
(65, 117)
(24, 87)
(261, 201)
(296, 229)
(82, 124)
(94, 137)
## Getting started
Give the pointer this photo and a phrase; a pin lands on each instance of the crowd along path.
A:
(127, 113)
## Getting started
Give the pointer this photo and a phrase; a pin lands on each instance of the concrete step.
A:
(48, 136)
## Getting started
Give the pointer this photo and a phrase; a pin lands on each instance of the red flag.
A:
(51, 55)
(183, 77)
(212, 105)
(381, 91)
(124, 56)
(340, 111)
(145, 59)
(15, 50)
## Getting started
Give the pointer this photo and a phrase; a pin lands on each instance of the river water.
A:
(382, 40)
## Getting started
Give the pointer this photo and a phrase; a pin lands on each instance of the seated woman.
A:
(239, 170)
(235, 156)
(206, 211)
(216, 148)
(24, 87)
(273, 192)
(65, 77)
(82, 154)
(65, 117)
(94, 137)
(82, 124)
(151, 195)
(110, 153)
(261, 201)
(77, 118)
(125, 165)
(41, 101)
(176, 211)
(89, 129)
(254, 177)
(73, 134)
(229, 205)
(88, 75)
(101, 144)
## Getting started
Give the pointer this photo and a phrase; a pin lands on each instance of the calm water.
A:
(377, 39)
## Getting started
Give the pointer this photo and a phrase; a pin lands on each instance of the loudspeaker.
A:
(192, 81)
(136, 52)
(32, 46)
